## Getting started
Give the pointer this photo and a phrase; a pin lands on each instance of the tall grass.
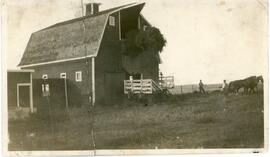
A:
(182, 121)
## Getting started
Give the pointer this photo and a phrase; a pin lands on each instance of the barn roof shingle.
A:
(66, 40)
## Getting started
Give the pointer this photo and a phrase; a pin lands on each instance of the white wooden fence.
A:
(145, 86)
(166, 82)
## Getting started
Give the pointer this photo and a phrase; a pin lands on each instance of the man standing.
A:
(202, 91)
(224, 87)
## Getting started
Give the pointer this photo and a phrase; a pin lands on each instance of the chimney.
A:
(91, 8)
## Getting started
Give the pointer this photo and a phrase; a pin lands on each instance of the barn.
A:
(89, 52)
(19, 90)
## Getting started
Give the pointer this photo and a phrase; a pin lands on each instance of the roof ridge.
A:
(106, 11)
(40, 46)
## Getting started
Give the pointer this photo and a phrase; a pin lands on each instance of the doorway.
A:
(23, 95)
(114, 86)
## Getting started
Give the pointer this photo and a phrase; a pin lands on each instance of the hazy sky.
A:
(210, 40)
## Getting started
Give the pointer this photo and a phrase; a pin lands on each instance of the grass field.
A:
(186, 121)
(190, 88)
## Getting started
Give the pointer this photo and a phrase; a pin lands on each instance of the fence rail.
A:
(166, 81)
(145, 86)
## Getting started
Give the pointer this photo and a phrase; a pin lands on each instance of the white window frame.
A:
(144, 27)
(63, 75)
(18, 93)
(45, 76)
(79, 74)
(111, 20)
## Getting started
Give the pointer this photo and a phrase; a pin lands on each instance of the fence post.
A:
(181, 89)
(151, 84)
(131, 83)
(141, 90)
(66, 94)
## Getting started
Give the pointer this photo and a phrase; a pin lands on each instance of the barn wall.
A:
(145, 63)
(109, 57)
(53, 71)
(13, 78)
(143, 22)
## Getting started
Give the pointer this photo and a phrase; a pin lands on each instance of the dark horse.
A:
(234, 86)
(251, 83)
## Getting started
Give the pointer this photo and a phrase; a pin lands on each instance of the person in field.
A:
(224, 87)
(201, 87)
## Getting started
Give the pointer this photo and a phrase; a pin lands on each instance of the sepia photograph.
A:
(127, 77)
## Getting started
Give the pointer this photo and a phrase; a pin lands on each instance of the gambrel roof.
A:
(66, 40)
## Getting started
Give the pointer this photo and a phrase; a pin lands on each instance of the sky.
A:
(209, 40)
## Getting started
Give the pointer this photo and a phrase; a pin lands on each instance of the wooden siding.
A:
(109, 57)
(143, 22)
(108, 61)
(54, 70)
(111, 60)
(145, 63)
(13, 78)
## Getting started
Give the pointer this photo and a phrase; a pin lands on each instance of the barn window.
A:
(78, 76)
(63, 75)
(112, 21)
(144, 27)
(45, 76)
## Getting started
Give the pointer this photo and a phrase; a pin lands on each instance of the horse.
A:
(251, 83)
(260, 78)
(234, 86)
